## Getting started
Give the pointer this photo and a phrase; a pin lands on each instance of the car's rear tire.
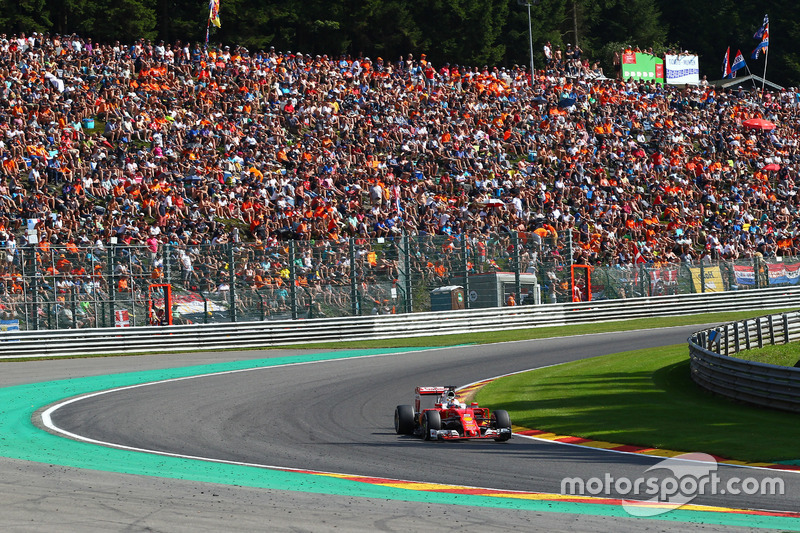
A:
(404, 420)
(501, 420)
(430, 421)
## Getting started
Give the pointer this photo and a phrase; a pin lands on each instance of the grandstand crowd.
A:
(149, 143)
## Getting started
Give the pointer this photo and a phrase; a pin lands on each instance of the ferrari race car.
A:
(438, 414)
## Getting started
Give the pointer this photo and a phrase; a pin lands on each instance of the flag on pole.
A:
(764, 28)
(738, 63)
(213, 15)
(637, 255)
(763, 34)
(726, 64)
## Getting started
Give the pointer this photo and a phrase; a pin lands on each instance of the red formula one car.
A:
(437, 414)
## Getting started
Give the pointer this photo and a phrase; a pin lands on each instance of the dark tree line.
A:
(472, 32)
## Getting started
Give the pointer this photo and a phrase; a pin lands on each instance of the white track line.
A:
(47, 421)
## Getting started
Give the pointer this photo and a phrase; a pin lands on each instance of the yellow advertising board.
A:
(711, 279)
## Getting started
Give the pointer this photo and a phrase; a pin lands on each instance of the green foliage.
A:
(185, 21)
(464, 30)
(370, 20)
(104, 20)
(24, 15)
(547, 20)
(129, 19)
(471, 32)
(780, 354)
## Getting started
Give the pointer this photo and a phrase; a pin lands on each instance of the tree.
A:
(465, 31)
(104, 20)
(471, 32)
(369, 20)
(24, 16)
(547, 19)
(784, 61)
(637, 22)
(126, 20)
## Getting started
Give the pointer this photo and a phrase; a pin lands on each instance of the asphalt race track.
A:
(330, 416)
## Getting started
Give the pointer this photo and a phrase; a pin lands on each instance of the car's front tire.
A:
(404, 420)
(431, 421)
(501, 420)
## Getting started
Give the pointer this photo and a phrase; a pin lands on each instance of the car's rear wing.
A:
(421, 391)
(427, 403)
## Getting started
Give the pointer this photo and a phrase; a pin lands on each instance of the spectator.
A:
(206, 149)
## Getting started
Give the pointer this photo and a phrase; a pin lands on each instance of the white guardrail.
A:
(57, 343)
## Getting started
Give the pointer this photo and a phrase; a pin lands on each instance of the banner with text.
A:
(781, 274)
(682, 69)
(644, 67)
(708, 279)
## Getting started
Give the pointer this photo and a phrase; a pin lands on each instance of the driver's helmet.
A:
(450, 398)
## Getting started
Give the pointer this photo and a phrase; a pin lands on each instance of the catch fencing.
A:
(105, 285)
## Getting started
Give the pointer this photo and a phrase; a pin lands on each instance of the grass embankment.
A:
(781, 354)
(545, 332)
(646, 398)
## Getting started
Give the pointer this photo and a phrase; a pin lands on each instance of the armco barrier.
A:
(714, 368)
(19, 344)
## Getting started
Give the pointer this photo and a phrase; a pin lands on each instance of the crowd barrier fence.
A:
(95, 286)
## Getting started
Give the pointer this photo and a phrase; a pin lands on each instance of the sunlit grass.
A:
(544, 332)
(645, 398)
(780, 354)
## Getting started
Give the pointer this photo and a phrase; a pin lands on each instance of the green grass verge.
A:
(646, 398)
(480, 338)
(545, 332)
(780, 354)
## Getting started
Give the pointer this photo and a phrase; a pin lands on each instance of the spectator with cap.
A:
(280, 145)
